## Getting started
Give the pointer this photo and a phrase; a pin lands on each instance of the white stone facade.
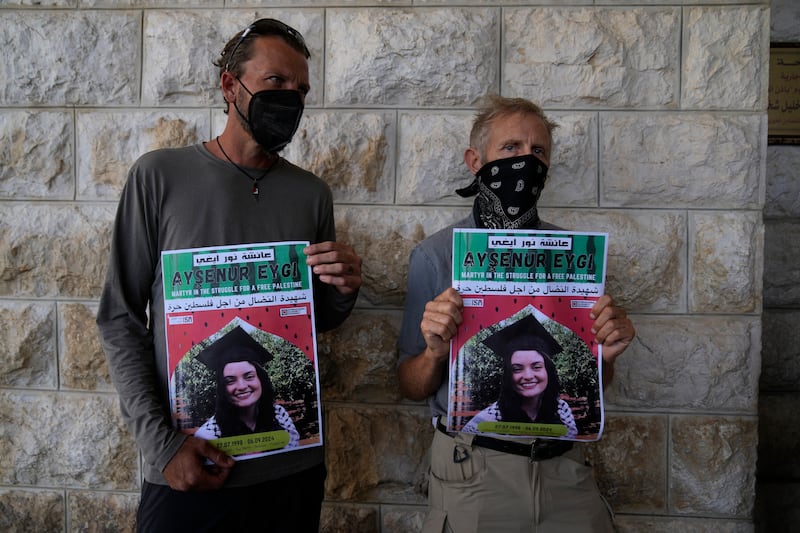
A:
(662, 143)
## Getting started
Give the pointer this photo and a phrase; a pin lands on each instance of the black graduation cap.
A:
(524, 334)
(236, 345)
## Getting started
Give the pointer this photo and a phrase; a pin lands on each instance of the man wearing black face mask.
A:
(495, 488)
(233, 190)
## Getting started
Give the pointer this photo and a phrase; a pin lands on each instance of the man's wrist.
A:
(174, 444)
(436, 357)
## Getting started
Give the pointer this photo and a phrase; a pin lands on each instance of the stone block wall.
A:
(662, 107)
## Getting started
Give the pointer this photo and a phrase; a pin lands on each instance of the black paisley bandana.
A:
(508, 190)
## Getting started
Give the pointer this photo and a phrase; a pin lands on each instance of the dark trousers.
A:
(287, 505)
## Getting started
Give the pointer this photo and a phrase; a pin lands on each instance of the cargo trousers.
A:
(478, 490)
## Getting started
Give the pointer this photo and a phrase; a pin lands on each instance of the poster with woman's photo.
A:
(242, 347)
(524, 362)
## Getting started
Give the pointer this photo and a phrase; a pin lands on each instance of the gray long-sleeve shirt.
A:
(187, 198)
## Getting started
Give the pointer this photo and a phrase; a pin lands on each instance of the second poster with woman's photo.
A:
(524, 362)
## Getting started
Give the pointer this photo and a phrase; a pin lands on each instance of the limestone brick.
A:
(42, 444)
(106, 151)
(784, 21)
(630, 462)
(102, 511)
(712, 365)
(431, 157)
(384, 239)
(592, 57)
(646, 254)
(27, 346)
(23, 511)
(101, 67)
(725, 250)
(413, 58)
(681, 160)
(352, 152)
(346, 517)
(726, 51)
(139, 4)
(712, 469)
(38, 3)
(572, 177)
(178, 66)
(304, 3)
(82, 364)
(402, 519)
(358, 360)
(54, 249)
(654, 524)
(36, 155)
(377, 452)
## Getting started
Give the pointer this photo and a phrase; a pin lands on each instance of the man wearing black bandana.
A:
(235, 189)
(486, 490)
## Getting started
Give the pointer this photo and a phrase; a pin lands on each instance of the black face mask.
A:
(273, 117)
(508, 190)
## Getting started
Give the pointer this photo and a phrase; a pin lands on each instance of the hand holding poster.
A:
(524, 362)
(241, 347)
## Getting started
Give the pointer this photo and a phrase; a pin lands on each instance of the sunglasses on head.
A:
(269, 27)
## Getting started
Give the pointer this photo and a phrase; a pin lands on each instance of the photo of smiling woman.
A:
(530, 391)
(245, 400)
